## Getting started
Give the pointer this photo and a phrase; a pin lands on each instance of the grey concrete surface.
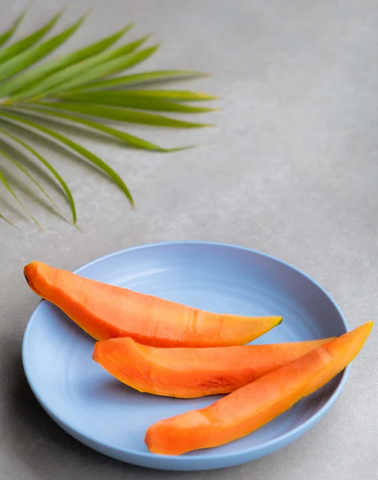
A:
(289, 169)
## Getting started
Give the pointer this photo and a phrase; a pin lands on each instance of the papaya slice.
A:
(252, 406)
(106, 311)
(193, 372)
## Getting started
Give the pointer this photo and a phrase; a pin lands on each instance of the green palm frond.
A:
(4, 37)
(27, 42)
(86, 88)
(30, 78)
(34, 180)
(52, 170)
(10, 190)
(140, 79)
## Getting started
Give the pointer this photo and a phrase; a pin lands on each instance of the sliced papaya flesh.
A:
(252, 406)
(106, 311)
(193, 372)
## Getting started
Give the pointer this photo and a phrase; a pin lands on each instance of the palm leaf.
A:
(82, 74)
(7, 220)
(52, 170)
(27, 42)
(75, 73)
(4, 181)
(8, 34)
(34, 181)
(140, 79)
(30, 56)
(87, 87)
(19, 87)
(131, 140)
(124, 115)
(124, 99)
(171, 95)
(91, 157)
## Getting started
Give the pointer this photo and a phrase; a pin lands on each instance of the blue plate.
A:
(112, 418)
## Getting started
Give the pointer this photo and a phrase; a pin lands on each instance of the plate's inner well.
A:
(110, 416)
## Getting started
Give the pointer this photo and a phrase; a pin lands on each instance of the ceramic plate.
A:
(112, 418)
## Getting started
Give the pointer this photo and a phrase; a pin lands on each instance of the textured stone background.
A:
(290, 169)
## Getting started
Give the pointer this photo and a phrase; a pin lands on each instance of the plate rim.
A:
(184, 462)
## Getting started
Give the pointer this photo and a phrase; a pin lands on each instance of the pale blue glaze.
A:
(108, 416)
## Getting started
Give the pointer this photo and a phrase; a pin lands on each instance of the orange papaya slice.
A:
(252, 406)
(107, 311)
(193, 372)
